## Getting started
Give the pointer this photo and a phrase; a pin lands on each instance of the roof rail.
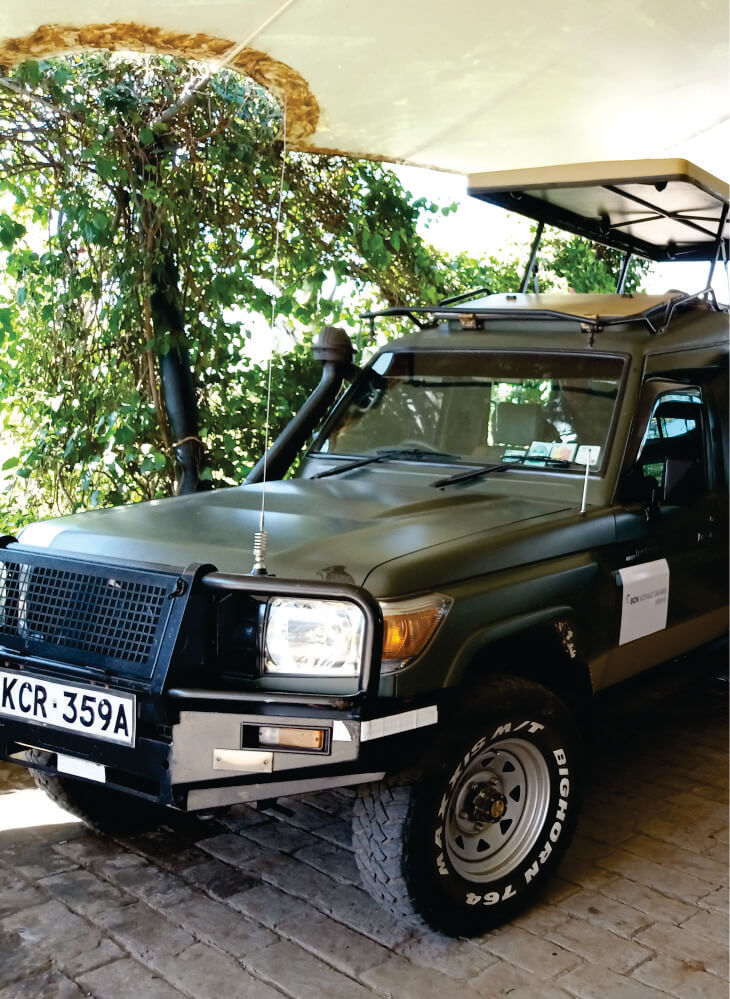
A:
(655, 317)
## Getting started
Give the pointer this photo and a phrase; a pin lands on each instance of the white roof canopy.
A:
(466, 85)
(660, 209)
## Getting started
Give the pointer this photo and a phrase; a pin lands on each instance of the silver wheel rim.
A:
(496, 810)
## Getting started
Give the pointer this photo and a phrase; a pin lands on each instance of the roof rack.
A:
(656, 316)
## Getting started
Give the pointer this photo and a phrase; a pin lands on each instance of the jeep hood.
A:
(346, 531)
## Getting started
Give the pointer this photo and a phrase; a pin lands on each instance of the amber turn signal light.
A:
(408, 626)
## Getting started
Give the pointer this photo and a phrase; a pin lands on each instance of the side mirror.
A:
(682, 481)
(638, 487)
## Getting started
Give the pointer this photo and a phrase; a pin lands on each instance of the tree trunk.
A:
(177, 377)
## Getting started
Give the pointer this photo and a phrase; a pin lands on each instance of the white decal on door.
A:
(644, 599)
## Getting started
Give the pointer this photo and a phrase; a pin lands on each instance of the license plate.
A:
(84, 710)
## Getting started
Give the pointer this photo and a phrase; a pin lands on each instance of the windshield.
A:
(480, 407)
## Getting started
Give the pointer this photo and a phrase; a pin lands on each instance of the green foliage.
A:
(123, 185)
(106, 195)
(581, 266)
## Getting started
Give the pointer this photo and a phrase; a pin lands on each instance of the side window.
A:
(671, 459)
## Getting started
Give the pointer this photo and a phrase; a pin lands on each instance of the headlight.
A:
(408, 627)
(314, 637)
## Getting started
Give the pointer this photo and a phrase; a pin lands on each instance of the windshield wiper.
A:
(476, 473)
(472, 473)
(416, 454)
(387, 454)
(358, 463)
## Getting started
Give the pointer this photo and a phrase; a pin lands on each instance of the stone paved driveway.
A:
(265, 904)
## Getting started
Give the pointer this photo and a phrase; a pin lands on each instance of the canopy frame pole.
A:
(623, 273)
(719, 246)
(533, 256)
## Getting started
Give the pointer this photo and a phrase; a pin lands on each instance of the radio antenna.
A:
(589, 462)
(260, 538)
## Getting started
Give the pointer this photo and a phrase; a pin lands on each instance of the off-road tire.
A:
(470, 844)
(99, 807)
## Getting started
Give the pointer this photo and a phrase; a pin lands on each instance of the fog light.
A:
(292, 738)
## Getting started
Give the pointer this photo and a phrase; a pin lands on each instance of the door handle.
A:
(648, 553)
(706, 532)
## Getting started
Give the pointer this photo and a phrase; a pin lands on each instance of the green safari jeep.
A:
(517, 506)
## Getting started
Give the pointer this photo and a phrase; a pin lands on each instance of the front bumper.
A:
(193, 748)
(205, 761)
(206, 749)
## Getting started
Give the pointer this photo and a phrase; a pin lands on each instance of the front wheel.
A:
(469, 846)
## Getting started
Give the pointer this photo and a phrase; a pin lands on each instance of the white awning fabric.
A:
(467, 86)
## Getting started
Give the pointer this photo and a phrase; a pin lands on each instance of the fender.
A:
(559, 619)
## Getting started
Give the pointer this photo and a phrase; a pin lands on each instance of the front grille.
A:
(90, 615)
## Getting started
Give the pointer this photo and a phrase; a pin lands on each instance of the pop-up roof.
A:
(660, 209)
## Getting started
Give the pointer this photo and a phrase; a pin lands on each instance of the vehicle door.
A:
(671, 554)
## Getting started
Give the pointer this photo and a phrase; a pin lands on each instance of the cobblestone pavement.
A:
(264, 904)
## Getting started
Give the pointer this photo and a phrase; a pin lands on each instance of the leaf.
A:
(10, 231)
(21, 295)
(31, 72)
(61, 75)
(10, 463)
(105, 167)
(146, 136)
